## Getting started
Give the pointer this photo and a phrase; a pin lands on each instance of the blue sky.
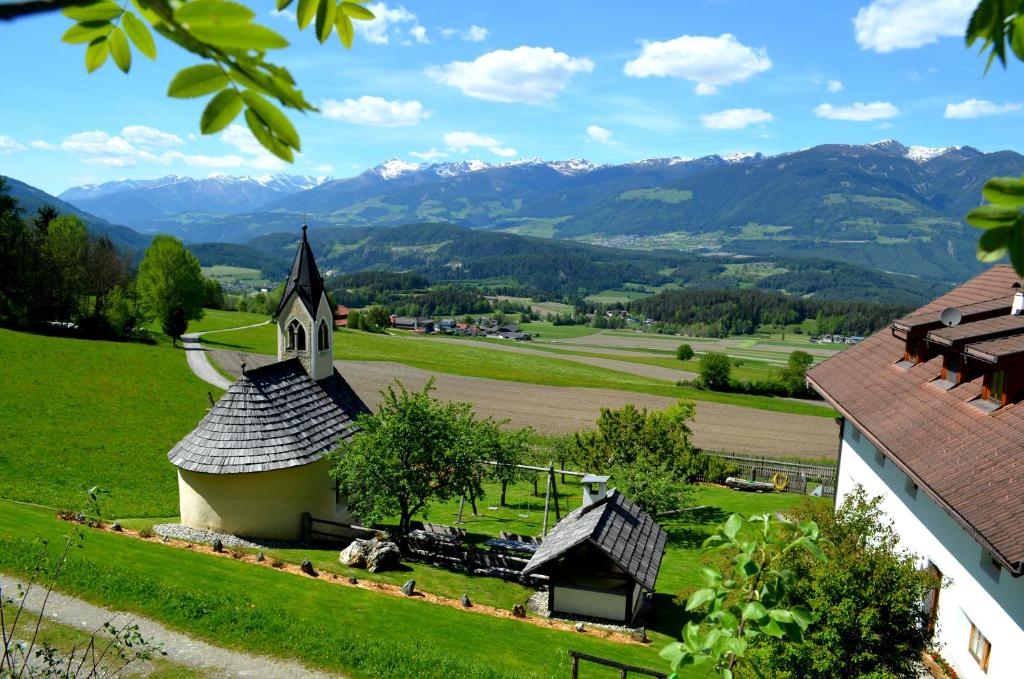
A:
(610, 82)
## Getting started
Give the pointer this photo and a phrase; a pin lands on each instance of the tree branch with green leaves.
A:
(752, 601)
(222, 33)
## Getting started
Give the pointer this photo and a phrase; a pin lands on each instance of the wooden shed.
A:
(601, 558)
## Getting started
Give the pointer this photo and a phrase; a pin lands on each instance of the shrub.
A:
(715, 369)
(684, 352)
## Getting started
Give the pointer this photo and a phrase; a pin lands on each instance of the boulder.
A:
(353, 580)
(116, 527)
(260, 558)
(409, 587)
(307, 567)
(382, 556)
(218, 546)
(519, 611)
(466, 603)
(580, 627)
(639, 634)
(355, 554)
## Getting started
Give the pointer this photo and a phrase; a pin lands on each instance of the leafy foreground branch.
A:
(221, 33)
(755, 601)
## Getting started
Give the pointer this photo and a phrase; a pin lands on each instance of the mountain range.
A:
(884, 205)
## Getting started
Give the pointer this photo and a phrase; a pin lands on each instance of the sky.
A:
(447, 80)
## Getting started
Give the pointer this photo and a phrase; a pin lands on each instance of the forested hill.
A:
(545, 268)
(719, 313)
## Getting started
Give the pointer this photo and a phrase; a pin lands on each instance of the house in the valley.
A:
(602, 557)
(412, 323)
(257, 461)
(933, 421)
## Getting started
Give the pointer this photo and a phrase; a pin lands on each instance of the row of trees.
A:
(715, 372)
(719, 313)
(56, 275)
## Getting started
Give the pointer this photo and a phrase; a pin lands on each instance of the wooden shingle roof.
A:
(970, 462)
(615, 525)
(273, 417)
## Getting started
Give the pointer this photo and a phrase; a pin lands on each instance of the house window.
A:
(997, 386)
(296, 337)
(323, 337)
(979, 647)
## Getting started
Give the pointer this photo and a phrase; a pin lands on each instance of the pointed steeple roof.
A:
(304, 278)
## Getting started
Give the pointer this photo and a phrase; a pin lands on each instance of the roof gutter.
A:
(1015, 569)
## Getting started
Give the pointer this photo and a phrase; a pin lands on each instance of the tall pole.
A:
(547, 505)
(554, 489)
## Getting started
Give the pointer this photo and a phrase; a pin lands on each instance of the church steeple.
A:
(305, 321)
(304, 279)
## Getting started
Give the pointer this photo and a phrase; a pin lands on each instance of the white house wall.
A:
(992, 600)
(589, 603)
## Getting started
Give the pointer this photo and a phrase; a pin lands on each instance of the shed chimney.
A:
(595, 488)
(1018, 304)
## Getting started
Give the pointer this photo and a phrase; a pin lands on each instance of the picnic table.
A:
(500, 544)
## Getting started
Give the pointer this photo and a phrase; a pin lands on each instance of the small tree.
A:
(170, 284)
(355, 320)
(794, 375)
(684, 352)
(414, 450)
(755, 600)
(376, 319)
(715, 370)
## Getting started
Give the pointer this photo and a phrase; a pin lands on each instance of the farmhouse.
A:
(341, 316)
(932, 422)
(256, 462)
(602, 557)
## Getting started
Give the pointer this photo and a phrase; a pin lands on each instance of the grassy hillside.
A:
(81, 413)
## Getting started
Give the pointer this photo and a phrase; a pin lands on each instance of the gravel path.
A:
(181, 649)
(200, 363)
(555, 410)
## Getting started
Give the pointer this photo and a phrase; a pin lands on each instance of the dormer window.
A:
(296, 336)
(995, 387)
(951, 368)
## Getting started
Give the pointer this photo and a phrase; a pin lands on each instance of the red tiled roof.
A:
(969, 461)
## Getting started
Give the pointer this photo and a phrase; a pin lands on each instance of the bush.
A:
(684, 352)
(715, 370)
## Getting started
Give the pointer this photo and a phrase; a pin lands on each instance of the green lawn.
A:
(543, 330)
(78, 413)
(462, 358)
(217, 319)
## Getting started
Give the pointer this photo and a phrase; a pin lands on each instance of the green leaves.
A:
(998, 25)
(86, 32)
(275, 122)
(331, 15)
(1002, 220)
(195, 81)
(699, 598)
(221, 110)
(99, 11)
(96, 53)
(325, 20)
(139, 34)
(241, 36)
(213, 13)
(119, 50)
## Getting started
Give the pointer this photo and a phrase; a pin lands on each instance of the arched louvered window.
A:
(323, 337)
(296, 340)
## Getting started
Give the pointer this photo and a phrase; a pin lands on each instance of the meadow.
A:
(475, 359)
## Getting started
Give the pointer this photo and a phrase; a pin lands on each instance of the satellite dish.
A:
(950, 316)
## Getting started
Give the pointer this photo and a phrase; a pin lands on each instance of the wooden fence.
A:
(802, 478)
(623, 668)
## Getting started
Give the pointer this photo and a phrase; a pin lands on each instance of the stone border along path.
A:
(198, 360)
(181, 648)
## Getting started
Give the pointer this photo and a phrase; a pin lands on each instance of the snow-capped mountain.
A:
(143, 202)
(922, 154)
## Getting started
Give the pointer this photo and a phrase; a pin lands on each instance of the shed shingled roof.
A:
(616, 526)
(273, 417)
(969, 461)
(304, 279)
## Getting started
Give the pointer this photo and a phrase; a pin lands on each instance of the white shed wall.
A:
(590, 603)
(993, 601)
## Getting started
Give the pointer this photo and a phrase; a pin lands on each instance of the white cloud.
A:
(887, 25)
(432, 154)
(475, 33)
(230, 160)
(858, 112)
(375, 111)
(241, 138)
(419, 34)
(600, 134)
(976, 108)
(735, 118)
(8, 145)
(708, 61)
(449, 32)
(99, 148)
(283, 13)
(462, 142)
(149, 136)
(380, 29)
(43, 145)
(834, 86)
(531, 75)
(326, 167)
